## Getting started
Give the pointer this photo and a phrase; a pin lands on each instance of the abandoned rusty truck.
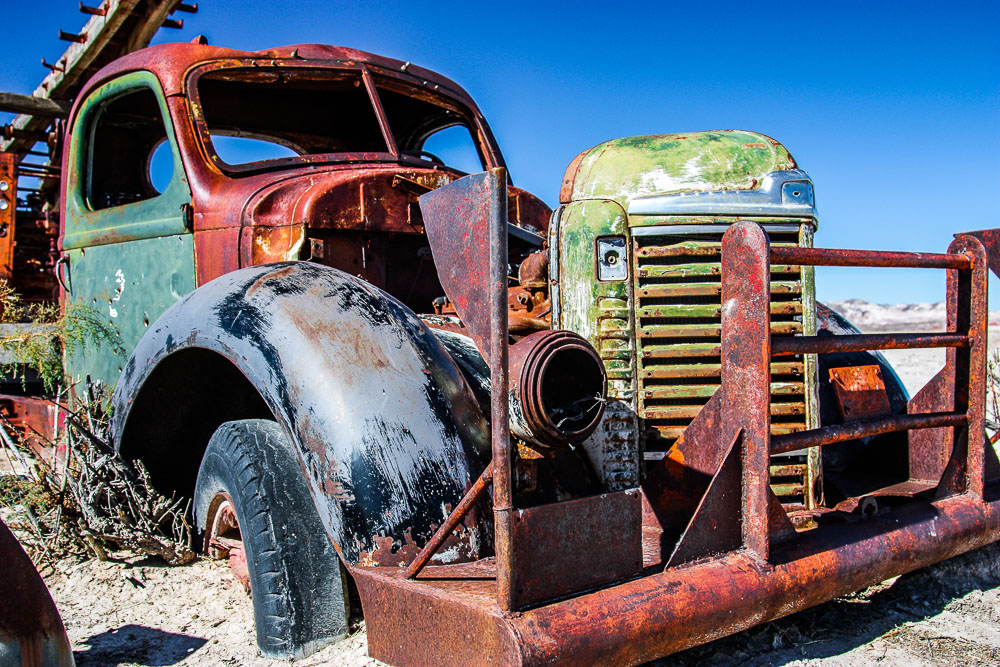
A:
(599, 434)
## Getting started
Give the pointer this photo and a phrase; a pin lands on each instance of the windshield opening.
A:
(271, 115)
(258, 119)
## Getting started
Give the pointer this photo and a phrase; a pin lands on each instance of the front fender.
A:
(386, 429)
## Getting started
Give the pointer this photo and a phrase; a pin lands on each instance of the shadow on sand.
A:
(137, 645)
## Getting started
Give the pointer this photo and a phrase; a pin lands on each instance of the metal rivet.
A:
(4, 186)
(3, 204)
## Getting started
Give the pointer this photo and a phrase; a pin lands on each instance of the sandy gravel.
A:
(135, 611)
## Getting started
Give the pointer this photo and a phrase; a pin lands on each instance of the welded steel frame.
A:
(738, 561)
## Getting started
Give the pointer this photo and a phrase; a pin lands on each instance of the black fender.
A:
(386, 429)
(884, 455)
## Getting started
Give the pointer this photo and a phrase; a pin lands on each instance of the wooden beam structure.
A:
(115, 28)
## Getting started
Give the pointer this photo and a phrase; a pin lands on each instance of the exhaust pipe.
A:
(557, 388)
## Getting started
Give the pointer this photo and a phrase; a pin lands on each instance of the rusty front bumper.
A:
(449, 615)
(720, 554)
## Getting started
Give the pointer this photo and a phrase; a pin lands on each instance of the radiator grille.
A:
(677, 292)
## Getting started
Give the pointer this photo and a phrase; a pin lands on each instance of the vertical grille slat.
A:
(677, 320)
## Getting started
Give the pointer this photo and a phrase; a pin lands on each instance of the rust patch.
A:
(860, 392)
(272, 275)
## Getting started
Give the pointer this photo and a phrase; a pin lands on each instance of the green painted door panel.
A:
(131, 253)
(160, 215)
(131, 283)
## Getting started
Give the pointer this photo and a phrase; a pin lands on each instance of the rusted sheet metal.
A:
(174, 62)
(743, 561)
(930, 449)
(573, 546)
(31, 631)
(219, 199)
(347, 201)
(860, 392)
(457, 220)
(990, 238)
(714, 527)
(466, 223)
(670, 611)
(216, 252)
(8, 206)
(37, 419)
(365, 197)
(264, 244)
(673, 487)
(684, 607)
(389, 440)
(558, 388)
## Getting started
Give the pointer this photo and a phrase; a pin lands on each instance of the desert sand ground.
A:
(132, 611)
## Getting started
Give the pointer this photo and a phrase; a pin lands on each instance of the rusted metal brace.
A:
(448, 527)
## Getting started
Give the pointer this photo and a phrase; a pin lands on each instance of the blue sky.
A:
(893, 108)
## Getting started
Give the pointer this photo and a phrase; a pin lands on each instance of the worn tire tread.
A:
(295, 573)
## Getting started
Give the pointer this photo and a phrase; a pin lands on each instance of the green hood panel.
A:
(623, 169)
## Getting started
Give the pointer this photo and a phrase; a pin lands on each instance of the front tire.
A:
(295, 576)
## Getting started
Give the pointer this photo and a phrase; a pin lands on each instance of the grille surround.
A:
(676, 289)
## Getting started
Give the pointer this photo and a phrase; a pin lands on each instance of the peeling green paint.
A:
(133, 261)
(596, 310)
(161, 215)
(665, 323)
(579, 227)
(813, 454)
(622, 169)
(131, 283)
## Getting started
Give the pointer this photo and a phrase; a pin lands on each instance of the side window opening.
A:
(455, 147)
(161, 166)
(130, 158)
(426, 129)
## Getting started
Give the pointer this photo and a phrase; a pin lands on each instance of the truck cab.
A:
(188, 161)
(340, 337)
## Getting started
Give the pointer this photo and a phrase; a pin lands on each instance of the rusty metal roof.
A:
(171, 63)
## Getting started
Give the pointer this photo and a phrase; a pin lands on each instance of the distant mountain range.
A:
(900, 317)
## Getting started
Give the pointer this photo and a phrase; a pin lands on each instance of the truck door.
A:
(125, 226)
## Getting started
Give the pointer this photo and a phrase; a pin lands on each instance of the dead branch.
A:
(101, 500)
